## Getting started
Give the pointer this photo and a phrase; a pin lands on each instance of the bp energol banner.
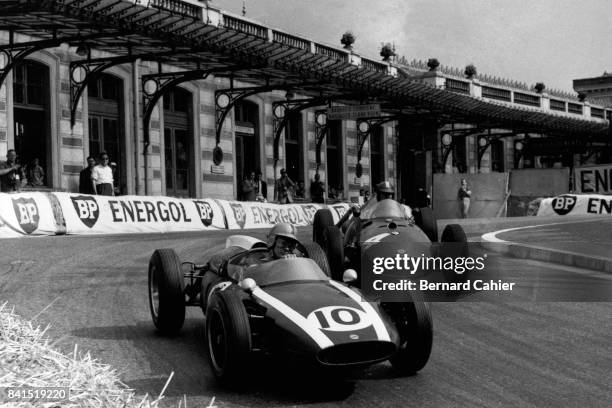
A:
(65, 213)
(30, 214)
(250, 214)
(92, 214)
(593, 179)
(576, 204)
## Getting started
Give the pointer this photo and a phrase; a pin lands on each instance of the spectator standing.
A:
(332, 193)
(464, 196)
(102, 177)
(261, 188)
(317, 191)
(11, 173)
(284, 188)
(85, 185)
(248, 188)
(36, 174)
(300, 192)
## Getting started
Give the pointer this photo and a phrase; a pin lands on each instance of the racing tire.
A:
(166, 292)
(228, 337)
(322, 219)
(334, 249)
(454, 245)
(209, 279)
(426, 220)
(316, 253)
(415, 326)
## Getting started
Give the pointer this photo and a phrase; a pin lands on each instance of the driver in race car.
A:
(384, 190)
(282, 242)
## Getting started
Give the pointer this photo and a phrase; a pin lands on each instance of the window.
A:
(497, 156)
(293, 152)
(377, 155)
(459, 154)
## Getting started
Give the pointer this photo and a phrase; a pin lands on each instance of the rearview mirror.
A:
(349, 275)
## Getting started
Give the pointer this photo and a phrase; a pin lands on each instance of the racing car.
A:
(384, 228)
(256, 306)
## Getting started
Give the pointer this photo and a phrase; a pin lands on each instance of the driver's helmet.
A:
(384, 190)
(283, 229)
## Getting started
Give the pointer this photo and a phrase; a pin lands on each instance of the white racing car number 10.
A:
(339, 318)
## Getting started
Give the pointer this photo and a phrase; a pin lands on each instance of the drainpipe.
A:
(136, 122)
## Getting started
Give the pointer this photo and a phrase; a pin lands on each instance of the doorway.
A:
(178, 144)
(31, 116)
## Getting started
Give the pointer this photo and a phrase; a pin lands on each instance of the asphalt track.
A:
(524, 353)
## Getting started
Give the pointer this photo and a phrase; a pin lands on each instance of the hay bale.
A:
(27, 359)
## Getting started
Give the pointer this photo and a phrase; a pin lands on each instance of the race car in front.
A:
(257, 306)
(383, 229)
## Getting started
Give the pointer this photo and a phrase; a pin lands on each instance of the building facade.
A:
(175, 154)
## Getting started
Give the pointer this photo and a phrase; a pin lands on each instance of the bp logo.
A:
(87, 209)
(340, 210)
(564, 204)
(239, 214)
(26, 212)
(205, 212)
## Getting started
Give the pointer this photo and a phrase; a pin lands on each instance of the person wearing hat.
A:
(282, 242)
(384, 190)
(284, 188)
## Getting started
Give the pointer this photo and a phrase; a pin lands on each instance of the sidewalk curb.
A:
(491, 242)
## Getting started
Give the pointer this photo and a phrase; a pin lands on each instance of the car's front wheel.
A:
(228, 336)
(415, 327)
(166, 291)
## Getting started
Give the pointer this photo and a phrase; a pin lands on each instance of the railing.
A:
(245, 26)
(597, 113)
(457, 86)
(497, 93)
(290, 40)
(557, 105)
(526, 99)
(574, 108)
(374, 65)
(331, 52)
(178, 7)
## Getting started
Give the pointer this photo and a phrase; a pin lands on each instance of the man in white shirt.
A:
(102, 177)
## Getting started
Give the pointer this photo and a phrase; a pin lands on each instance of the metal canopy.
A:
(179, 31)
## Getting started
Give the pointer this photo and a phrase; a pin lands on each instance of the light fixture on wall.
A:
(447, 139)
(363, 126)
(321, 119)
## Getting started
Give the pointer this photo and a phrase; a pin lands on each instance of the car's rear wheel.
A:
(334, 249)
(415, 327)
(454, 245)
(316, 253)
(426, 220)
(322, 219)
(228, 336)
(166, 291)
